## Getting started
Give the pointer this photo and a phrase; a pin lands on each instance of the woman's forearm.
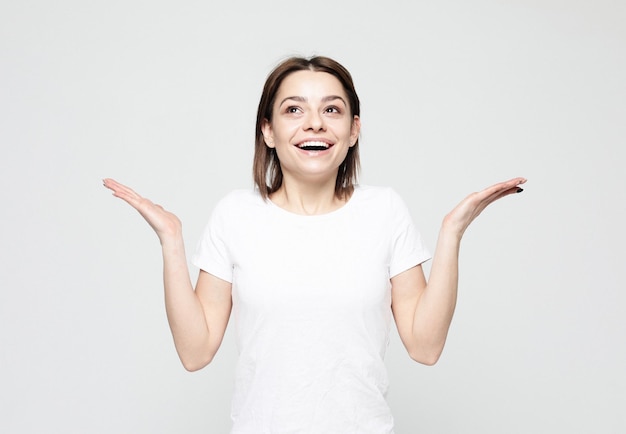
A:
(184, 311)
(435, 307)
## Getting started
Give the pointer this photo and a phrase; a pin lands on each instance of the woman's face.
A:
(312, 126)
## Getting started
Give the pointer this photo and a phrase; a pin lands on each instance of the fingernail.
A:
(519, 190)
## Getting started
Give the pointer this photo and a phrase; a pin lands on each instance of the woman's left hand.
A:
(465, 212)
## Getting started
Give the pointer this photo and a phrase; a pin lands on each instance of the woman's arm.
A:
(197, 318)
(423, 311)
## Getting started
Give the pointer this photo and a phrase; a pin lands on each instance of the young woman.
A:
(313, 267)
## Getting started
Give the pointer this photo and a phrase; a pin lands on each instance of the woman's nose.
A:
(314, 122)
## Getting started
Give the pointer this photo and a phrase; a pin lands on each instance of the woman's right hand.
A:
(166, 225)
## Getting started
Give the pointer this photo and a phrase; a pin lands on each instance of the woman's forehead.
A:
(310, 84)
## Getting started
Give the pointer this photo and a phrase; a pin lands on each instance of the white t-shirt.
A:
(311, 308)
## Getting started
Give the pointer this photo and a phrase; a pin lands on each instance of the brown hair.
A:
(268, 175)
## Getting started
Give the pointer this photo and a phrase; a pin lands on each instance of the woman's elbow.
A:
(428, 358)
(196, 363)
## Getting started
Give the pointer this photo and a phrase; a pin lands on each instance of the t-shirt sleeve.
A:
(407, 248)
(212, 253)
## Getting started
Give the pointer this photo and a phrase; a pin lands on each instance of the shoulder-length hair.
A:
(268, 175)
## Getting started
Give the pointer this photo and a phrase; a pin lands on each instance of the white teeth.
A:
(314, 145)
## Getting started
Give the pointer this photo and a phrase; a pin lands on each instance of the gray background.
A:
(456, 96)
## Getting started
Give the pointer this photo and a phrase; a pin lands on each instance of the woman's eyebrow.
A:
(294, 98)
(303, 99)
(332, 98)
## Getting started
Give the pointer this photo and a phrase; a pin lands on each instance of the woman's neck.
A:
(307, 199)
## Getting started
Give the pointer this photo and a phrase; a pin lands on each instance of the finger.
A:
(503, 186)
(499, 194)
(499, 190)
(114, 185)
(489, 195)
(111, 183)
(121, 188)
(123, 192)
(504, 193)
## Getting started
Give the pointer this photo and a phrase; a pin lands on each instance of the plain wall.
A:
(456, 96)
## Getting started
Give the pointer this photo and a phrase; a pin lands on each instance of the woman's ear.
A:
(266, 129)
(355, 130)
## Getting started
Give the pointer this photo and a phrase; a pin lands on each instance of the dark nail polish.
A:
(519, 190)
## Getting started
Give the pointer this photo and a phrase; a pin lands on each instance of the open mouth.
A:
(314, 146)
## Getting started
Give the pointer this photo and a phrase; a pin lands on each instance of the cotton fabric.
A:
(311, 308)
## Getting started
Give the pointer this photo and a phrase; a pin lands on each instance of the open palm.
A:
(164, 223)
(471, 207)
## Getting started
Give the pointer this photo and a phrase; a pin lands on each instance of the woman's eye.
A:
(292, 109)
(332, 109)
